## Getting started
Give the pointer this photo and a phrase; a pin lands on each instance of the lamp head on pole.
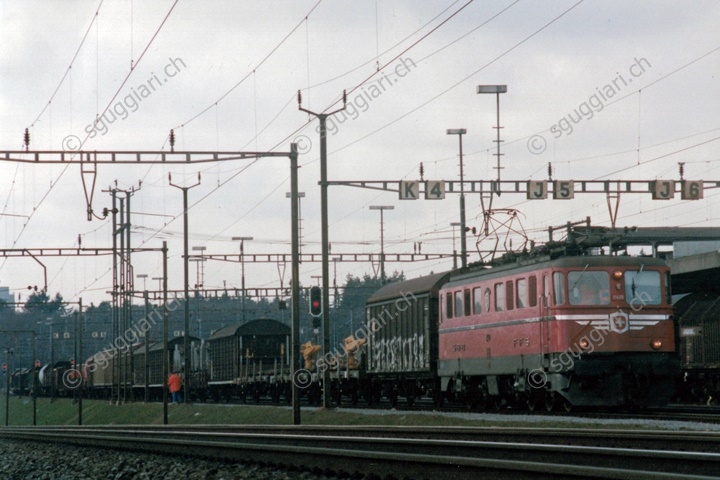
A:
(456, 131)
(491, 89)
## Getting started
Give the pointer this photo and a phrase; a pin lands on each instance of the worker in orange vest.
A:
(175, 384)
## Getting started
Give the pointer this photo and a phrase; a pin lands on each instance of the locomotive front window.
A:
(558, 290)
(589, 288)
(642, 287)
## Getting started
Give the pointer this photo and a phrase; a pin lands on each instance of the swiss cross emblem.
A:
(619, 322)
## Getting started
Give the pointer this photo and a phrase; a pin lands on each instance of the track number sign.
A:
(434, 190)
(662, 189)
(563, 189)
(409, 190)
(536, 189)
(692, 190)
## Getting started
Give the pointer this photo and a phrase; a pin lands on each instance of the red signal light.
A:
(315, 301)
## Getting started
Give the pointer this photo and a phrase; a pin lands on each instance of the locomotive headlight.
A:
(656, 344)
(584, 343)
(617, 274)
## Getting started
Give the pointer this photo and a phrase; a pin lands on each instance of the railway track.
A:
(422, 452)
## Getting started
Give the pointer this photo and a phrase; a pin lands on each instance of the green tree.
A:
(358, 290)
(40, 302)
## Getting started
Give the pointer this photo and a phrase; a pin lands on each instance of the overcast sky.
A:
(600, 89)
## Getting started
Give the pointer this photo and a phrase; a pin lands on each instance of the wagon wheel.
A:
(532, 403)
(550, 401)
(496, 402)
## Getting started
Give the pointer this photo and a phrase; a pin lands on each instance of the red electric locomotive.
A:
(567, 331)
(576, 331)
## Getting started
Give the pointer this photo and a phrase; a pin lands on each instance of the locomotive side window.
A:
(558, 288)
(509, 294)
(589, 288)
(643, 287)
(466, 302)
(533, 293)
(521, 300)
(458, 303)
(448, 305)
(499, 297)
(477, 300)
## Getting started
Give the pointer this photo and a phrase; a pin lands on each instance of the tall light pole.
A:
(497, 90)
(200, 274)
(242, 269)
(144, 277)
(453, 225)
(382, 208)
(146, 366)
(463, 244)
(300, 196)
(186, 346)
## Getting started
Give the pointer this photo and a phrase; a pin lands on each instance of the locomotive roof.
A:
(462, 276)
(417, 286)
(261, 326)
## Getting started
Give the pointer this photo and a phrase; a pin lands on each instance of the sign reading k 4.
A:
(434, 190)
(410, 190)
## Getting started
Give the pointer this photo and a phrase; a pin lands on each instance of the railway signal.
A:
(315, 301)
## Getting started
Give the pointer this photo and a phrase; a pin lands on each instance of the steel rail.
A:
(428, 456)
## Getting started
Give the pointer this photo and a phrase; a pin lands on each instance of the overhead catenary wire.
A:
(68, 70)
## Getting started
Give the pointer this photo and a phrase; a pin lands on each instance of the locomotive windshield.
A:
(589, 288)
(642, 287)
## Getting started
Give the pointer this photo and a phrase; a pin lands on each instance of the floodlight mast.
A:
(497, 90)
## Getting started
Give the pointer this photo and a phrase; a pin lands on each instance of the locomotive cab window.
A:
(499, 297)
(642, 287)
(459, 303)
(589, 288)
(449, 305)
(466, 302)
(558, 288)
(521, 294)
(477, 300)
(533, 291)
